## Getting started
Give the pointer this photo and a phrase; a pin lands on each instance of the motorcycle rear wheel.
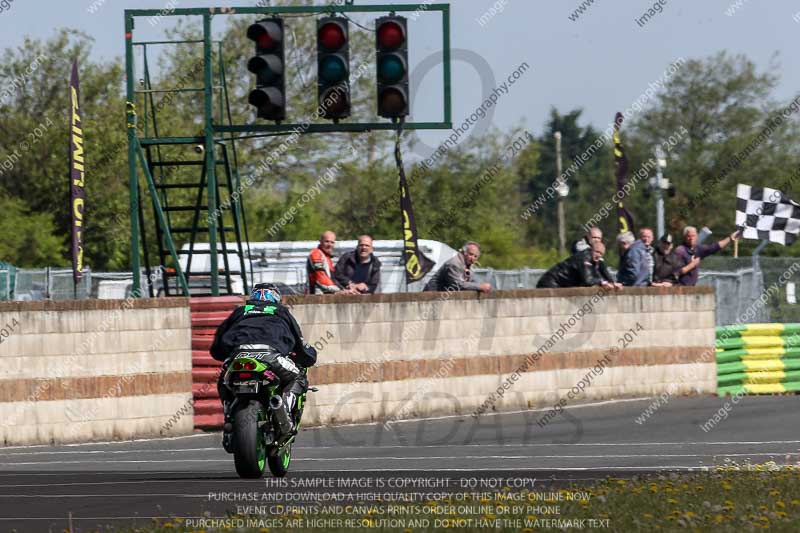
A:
(249, 450)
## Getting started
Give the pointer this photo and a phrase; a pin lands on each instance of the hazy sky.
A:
(601, 62)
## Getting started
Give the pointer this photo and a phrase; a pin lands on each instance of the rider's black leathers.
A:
(269, 332)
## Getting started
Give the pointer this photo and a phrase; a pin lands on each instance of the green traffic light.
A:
(332, 69)
(391, 69)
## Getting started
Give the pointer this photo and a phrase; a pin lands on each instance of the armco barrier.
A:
(758, 359)
(207, 314)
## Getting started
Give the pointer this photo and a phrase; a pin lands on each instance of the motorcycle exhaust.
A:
(280, 414)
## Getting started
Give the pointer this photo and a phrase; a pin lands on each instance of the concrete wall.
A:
(76, 371)
(403, 355)
(89, 370)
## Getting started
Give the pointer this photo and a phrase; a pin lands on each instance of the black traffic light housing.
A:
(391, 45)
(269, 66)
(333, 68)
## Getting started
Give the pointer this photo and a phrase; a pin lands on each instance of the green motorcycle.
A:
(261, 429)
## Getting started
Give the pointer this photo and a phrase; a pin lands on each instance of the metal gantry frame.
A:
(216, 135)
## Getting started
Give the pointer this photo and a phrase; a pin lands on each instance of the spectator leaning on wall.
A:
(633, 265)
(594, 234)
(579, 270)
(359, 270)
(319, 267)
(647, 237)
(690, 253)
(455, 274)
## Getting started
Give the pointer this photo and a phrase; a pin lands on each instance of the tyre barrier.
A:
(207, 314)
(758, 359)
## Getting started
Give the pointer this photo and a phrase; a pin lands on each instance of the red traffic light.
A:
(267, 34)
(331, 36)
(390, 35)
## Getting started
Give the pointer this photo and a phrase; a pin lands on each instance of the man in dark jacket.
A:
(455, 274)
(359, 270)
(579, 270)
(666, 263)
(266, 330)
(593, 235)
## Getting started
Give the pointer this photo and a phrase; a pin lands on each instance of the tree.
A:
(726, 108)
(36, 112)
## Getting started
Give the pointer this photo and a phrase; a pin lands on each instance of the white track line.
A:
(493, 413)
(400, 446)
(106, 442)
(542, 445)
(414, 458)
(175, 450)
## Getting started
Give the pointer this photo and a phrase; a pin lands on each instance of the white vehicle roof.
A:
(285, 261)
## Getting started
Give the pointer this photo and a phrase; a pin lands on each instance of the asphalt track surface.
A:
(119, 484)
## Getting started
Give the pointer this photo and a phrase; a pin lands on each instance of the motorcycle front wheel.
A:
(279, 463)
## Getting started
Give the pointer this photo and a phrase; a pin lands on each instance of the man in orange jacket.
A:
(320, 267)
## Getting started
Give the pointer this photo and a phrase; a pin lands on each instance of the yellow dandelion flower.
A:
(648, 516)
(774, 492)
(780, 504)
(795, 502)
(672, 500)
(726, 485)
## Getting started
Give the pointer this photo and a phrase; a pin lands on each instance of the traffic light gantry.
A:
(333, 68)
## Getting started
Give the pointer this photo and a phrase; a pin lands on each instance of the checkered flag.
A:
(764, 213)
